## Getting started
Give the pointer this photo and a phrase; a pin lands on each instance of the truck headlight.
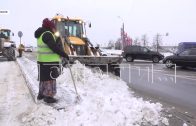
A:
(57, 34)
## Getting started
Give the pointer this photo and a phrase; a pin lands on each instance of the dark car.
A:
(186, 58)
(138, 52)
(185, 45)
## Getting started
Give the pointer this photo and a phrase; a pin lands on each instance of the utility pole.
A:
(122, 32)
(157, 41)
(144, 39)
(123, 35)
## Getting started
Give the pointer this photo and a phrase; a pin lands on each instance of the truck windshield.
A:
(4, 34)
(70, 28)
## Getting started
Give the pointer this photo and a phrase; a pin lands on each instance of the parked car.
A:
(138, 52)
(28, 49)
(186, 58)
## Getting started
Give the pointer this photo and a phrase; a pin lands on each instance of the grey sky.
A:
(140, 17)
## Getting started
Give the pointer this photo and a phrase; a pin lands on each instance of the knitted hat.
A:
(48, 24)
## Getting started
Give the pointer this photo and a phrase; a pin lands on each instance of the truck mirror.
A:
(12, 34)
(89, 25)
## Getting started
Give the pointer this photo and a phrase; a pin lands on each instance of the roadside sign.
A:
(20, 34)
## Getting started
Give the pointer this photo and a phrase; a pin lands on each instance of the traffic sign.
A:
(20, 34)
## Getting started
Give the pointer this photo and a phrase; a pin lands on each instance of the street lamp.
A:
(123, 32)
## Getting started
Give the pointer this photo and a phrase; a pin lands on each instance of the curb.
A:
(29, 81)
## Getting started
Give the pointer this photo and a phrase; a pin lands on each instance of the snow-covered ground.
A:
(14, 95)
(167, 54)
(106, 101)
(110, 52)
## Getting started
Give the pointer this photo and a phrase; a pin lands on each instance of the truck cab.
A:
(76, 44)
(74, 31)
(7, 47)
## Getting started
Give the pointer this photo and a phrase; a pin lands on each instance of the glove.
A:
(66, 56)
(65, 61)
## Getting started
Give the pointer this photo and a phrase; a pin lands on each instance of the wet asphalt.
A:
(174, 87)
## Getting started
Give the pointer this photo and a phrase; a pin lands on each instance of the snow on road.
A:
(14, 95)
(167, 54)
(106, 101)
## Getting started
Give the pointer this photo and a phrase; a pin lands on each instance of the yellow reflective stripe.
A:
(46, 53)
(42, 46)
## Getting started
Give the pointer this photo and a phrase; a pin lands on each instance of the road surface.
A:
(15, 98)
(177, 88)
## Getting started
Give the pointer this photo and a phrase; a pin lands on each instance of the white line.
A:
(129, 73)
(148, 74)
(175, 73)
(178, 76)
(152, 75)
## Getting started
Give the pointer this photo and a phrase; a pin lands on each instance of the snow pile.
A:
(106, 101)
(167, 54)
(112, 52)
(41, 115)
(184, 124)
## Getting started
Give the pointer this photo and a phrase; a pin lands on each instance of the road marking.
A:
(184, 77)
(166, 74)
(152, 74)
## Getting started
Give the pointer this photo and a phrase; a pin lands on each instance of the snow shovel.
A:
(78, 98)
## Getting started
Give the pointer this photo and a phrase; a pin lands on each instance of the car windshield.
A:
(4, 34)
(70, 28)
(145, 49)
(184, 53)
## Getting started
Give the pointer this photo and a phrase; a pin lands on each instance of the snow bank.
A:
(112, 51)
(106, 101)
(41, 115)
(167, 54)
(184, 124)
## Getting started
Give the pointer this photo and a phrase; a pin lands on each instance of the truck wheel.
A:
(129, 58)
(10, 54)
(155, 59)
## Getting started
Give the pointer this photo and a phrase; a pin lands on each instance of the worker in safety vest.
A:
(20, 49)
(48, 58)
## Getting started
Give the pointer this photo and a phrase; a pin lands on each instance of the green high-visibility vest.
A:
(45, 54)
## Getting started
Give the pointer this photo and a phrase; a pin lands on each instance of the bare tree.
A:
(111, 44)
(136, 41)
(118, 44)
(144, 40)
(157, 42)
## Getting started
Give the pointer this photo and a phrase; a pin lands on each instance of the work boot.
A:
(40, 97)
(50, 100)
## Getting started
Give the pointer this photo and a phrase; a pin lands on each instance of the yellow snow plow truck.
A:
(7, 47)
(78, 47)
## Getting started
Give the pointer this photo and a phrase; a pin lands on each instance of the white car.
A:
(28, 49)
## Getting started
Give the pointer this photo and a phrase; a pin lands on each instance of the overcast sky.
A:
(177, 17)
